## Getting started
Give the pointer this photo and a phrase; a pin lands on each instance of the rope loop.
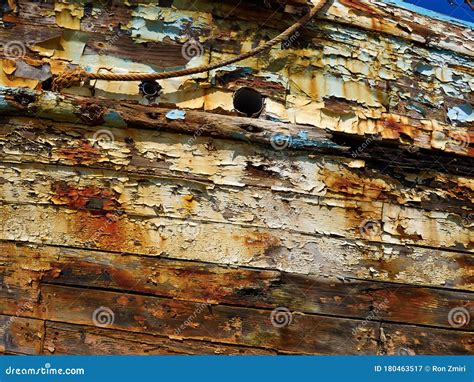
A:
(77, 76)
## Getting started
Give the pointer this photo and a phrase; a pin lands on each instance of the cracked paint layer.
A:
(356, 180)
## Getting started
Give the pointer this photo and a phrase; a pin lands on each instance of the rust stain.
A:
(359, 6)
(90, 197)
(404, 235)
(92, 114)
(189, 203)
(84, 154)
(262, 242)
(108, 231)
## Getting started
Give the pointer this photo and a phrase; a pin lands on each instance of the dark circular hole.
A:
(149, 88)
(248, 101)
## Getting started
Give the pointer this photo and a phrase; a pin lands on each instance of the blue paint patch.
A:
(114, 119)
(415, 108)
(176, 114)
(429, 13)
(424, 69)
(462, 113)
(302, 141)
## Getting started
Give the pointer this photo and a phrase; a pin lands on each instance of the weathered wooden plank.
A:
(66, 339)
(372, 15)
(20, 335)
(324, 257)
(424, 134)
(230, 325)
(142, 195)
(208, 283)
(395, 67)
(221, 324)
(223, 243)
(378, 16)
(412, 340)
(238, 165)
(353, 220)
(77, 187)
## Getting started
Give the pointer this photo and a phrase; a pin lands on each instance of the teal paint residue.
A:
(300, 141)
(3, 103)
(274, 118)
(176, 114)
(461, 113)
(114, 119)
(156, 24)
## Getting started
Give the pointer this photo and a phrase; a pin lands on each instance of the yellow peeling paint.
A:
(8, 66)
(69, 15)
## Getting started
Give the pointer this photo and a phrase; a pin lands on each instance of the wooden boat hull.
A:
(338, 222)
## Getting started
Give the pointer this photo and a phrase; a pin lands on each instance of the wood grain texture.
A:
(67, 339)
(19, 335)
(244, 287)
(339, 222)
